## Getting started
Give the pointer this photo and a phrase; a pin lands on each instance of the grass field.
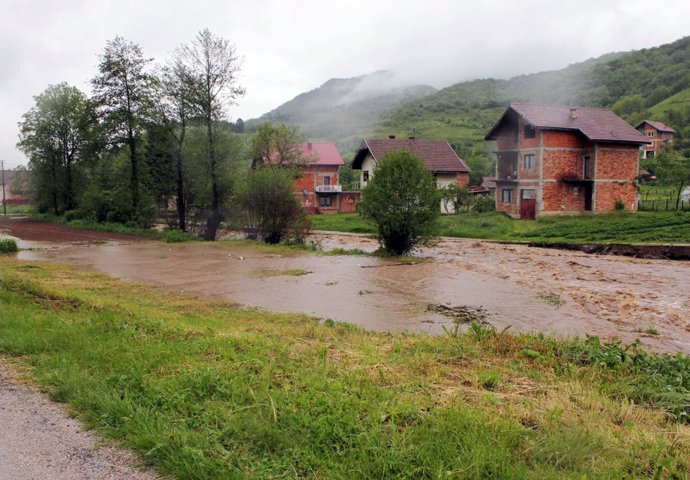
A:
(210, 391)
(616, 227)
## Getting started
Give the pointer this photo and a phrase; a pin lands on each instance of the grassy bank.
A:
(617, 227)
(207, 390)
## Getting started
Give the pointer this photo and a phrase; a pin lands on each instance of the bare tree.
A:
(211, 65)
(122, 90)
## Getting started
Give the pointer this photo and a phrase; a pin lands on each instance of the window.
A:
(326, 180)
(325, 201)
(587, 168)
(528, 194)
(650, 154)
(365, 176)
(650, 133)
(506, 195)
(528, 161)
(530, 132)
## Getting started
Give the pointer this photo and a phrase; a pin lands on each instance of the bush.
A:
(271, 209)
(8, 245)
(484, 203)
(401, 199)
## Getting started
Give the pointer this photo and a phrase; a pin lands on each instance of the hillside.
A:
(346, 107)
(651, 83)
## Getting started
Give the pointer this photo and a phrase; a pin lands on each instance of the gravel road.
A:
(39, 441)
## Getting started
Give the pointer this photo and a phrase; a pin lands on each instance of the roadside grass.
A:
(615, 227)
(207, 390)
(17, 209)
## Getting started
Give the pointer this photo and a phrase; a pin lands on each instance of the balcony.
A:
(329, 188)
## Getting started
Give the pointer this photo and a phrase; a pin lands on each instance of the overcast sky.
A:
(293, 46)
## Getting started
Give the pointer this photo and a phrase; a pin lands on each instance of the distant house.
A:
(553, 160)
(489, 183)
(657, 133)
(318, 186)
(438, 156)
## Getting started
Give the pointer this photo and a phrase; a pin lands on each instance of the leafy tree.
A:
(276, 145)
(401, 199)
(453, 197)
(270, 206)
(122, 90)
(55, 135)
(671, 168)
(211, 66)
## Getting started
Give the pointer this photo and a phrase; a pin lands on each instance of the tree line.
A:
(151, 139)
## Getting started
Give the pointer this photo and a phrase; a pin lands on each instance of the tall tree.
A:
(212, 66)
(55, 134)
(175, 110)
(277, 145)
(122, 90)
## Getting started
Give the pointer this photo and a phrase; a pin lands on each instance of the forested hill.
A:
(651, 83)
(345, 107)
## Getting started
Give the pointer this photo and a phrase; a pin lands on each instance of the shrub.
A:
(401, 199)
(7, 245)
(270, 206)
(484, 203)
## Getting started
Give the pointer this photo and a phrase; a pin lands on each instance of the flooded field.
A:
(529, 289)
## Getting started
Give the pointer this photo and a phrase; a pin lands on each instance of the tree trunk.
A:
(182, 221)
(214, 219)
(134, 176)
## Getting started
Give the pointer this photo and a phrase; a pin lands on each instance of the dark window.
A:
(506, 195)
(530, 132)
(587, 172)
(365, 175)
(325, 201)
(650, 154)
(528, 163)
(650, 133)
(326, 180)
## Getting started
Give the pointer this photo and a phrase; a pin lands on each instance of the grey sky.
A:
(293, 46)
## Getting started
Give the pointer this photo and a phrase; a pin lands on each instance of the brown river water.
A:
(529, 289)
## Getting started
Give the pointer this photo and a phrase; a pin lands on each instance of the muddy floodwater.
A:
(529, 289)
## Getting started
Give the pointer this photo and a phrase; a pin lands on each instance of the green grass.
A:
(206, 390)
(8, 245)
(615, 227)
(17, 209)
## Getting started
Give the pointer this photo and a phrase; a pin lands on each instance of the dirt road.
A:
(39, 441)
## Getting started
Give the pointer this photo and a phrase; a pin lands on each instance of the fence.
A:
(662, 205)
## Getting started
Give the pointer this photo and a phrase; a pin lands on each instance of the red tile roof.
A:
(438, 156)
(662, 127)
(321, 154)
(597, 124)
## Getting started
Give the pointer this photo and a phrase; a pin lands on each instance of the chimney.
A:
(392, 137)
(573, 113)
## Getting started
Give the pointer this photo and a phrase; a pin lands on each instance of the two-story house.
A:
(318, 186)
(553, 160)
(438, 156)
(657, 133)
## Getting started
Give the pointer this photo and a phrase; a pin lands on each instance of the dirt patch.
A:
(461, 313)
(45, 232)
(655, 252)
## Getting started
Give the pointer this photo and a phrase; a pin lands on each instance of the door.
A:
(588, 197)
(528, 204)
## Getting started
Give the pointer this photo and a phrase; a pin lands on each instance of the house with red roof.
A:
(438, 156)
(318, 185)
(554, 160)
(659, 134)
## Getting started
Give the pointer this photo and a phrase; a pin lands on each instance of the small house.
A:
(658, 134)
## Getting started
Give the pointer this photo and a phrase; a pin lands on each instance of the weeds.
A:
(551, 298)
(8, 245)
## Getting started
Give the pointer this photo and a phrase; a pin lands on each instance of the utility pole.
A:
(4, 204)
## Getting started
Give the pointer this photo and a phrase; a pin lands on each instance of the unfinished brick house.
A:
(555, 160)
(438, 156)
(659, 134)
(318, 186)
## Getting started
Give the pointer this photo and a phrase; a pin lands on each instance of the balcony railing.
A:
(329, 188)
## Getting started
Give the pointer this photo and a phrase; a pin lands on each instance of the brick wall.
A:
(608, 192)
(563, 197)
(509, 208)
(559, 139)
(463, 179)
(560, 164)
(617, 164)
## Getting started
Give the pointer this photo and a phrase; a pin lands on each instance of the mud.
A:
(565, 293)
(667, 252)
